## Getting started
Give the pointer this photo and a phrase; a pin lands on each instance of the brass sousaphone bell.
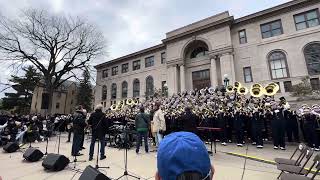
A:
(243, 90)
(236, 86)
(230, 89)
(113, 107)
(256, 90)
(271, 89)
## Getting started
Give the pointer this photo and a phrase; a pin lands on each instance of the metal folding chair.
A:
(296, 169)
(300, 148)
(316, 162)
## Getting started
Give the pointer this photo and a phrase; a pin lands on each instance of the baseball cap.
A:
(182, 152)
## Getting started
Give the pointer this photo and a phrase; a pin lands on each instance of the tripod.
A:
(126, 147)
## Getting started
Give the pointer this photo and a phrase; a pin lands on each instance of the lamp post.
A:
(226, 80)
(165, 89)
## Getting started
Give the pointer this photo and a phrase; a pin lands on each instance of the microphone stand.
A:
(59, 136)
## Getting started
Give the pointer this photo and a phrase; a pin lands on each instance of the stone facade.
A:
(210, 49)
(63, 101)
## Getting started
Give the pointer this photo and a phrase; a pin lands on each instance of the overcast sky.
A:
(132, 25)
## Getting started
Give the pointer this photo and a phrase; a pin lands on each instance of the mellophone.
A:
(211, 130)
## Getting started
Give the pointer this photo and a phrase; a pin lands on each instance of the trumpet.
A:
(271, 89)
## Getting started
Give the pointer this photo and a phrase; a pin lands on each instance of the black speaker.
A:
(55, 162)
(91, 173)
(32, 155)
(11, 147)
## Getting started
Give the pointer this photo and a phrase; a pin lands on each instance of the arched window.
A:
(136, 88)
(312, 56)
(149, 86)
(104, 92)
(278, 65)
(124, 89)
(198, 52)
(114, 91)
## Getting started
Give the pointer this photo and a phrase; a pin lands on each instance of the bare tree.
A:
(56, 45)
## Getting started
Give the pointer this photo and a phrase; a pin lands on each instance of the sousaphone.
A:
(271, 89)
(243, 90)
(230, 89)
(256, 90)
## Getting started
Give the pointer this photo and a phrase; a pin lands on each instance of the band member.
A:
(159, 123)
(79, 124)
(142, 122)
(278, 128)
(190, 121)
(257, 126)
(309, 126)
(99, 124)
(238, 126)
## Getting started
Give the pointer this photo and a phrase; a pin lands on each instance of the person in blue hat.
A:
(182, 155)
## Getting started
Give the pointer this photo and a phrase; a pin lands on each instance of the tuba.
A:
(256, 90)
(230, 89)
(243, 90)
(271, 89)
(129, 102)
(236, 85)
(113, 107)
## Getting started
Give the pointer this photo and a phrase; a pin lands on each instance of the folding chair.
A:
(301, 148)
(296, 169)
(316, 162)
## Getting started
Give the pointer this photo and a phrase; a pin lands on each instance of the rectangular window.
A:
(271, 29)
(307, 19)
(57, 105)
(242, 36)
(247, 73)
(125, 68)
(136, 65)
(105, 73)
(287, 86)
(45, 101)
(149, 61)
(115, 70)
(163, 58)
(315, 83)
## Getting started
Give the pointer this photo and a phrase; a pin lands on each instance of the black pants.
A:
(76, 143)
(292, 129)
(82, 140)
(102, 143)
(257, 133)
(278, 133)
(311, 135)
(239, 135)
(69, 134)
(144, 135)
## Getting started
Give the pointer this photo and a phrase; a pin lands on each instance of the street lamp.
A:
(165, 89)
(226, 80)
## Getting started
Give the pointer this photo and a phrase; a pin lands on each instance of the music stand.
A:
(126, 147)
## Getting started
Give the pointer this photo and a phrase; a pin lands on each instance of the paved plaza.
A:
(227, 167)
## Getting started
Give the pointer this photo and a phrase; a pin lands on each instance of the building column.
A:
(182, 78)
(172, 78)
(213, 73)
(227, 67)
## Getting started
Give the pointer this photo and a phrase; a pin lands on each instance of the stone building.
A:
(279, 44)
(63, 101)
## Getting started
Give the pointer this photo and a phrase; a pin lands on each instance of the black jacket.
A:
(190, 122)
(98, 123)
(79, 122)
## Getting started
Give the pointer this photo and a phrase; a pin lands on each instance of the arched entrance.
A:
(195, 56)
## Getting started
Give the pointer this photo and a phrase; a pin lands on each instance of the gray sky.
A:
(132, 25)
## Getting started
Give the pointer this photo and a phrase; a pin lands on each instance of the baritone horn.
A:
(256, 90)
(271, 89)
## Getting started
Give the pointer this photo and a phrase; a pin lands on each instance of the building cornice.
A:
(225, 21)
(289, 6)
(132, 55)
